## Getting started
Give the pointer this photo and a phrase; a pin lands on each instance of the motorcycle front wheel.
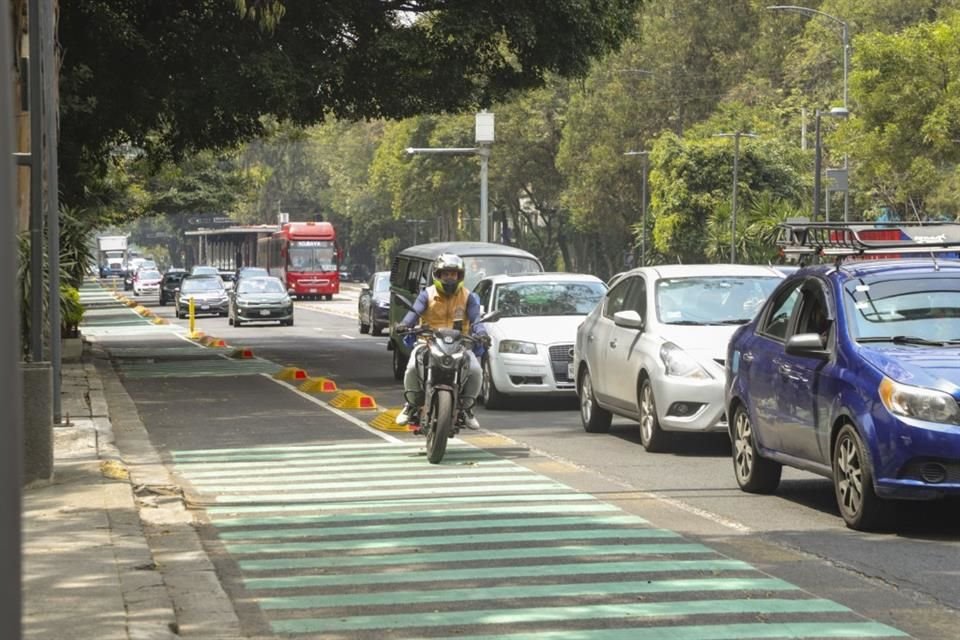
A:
(441, 424)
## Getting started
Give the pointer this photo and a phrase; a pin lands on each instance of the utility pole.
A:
(643, 203)
(484, 137)
(736, 135)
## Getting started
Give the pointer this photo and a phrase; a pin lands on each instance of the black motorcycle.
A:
(441, 366)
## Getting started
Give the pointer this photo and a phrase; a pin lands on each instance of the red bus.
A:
(305, 256)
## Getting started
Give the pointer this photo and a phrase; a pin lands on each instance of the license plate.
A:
(264, 312)
(204, 306)
(569, 371)
(313, 290)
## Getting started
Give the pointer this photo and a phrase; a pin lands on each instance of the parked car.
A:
(654, 350)
(208, 293)
(373, 305)
(260, 299)
(850, 372)
(170, 283)
(146, 281)
(532, 341)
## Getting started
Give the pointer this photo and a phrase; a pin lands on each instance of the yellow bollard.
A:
(193, 318)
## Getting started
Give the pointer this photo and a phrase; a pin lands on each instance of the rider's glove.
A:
(486, 341)
(402, 328)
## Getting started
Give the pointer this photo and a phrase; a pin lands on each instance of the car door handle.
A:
(590, 337)
(747, 356)
(613, 344)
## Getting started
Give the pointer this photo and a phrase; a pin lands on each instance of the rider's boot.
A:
(409, 415)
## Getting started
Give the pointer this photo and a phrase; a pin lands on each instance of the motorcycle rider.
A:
(440, 306)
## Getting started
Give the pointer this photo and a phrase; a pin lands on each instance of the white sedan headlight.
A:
(516, 346)
(680, 363)
(916, 402)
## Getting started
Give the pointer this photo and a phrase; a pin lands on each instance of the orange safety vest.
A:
(442, 311)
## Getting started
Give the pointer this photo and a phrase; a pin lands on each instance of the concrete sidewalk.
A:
(109, 551)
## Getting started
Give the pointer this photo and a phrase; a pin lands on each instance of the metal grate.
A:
(559, 359)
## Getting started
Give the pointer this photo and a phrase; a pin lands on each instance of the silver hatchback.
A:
(653, 350)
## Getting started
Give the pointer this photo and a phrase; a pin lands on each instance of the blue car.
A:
(852, 371)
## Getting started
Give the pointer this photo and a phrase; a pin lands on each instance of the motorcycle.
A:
(441, 368)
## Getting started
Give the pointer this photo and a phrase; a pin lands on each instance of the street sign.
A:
(837, 179)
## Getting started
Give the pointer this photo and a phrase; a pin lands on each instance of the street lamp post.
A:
(643, 203)
(736, 135)
(484, 137)
(835, 112)
(845, 38)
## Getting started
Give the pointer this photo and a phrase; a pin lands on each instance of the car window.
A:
(617, 297)
(381, 283)
(483, 292)
(149, 275)
(814, 315)
(711, 300)
(778, 320)
(637, 298)
(414, 280)
(193, 285)
(925, 306)
(261, 285)
(547, 298)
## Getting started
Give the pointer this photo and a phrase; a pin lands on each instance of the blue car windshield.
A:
(919, 307)
(712, 299)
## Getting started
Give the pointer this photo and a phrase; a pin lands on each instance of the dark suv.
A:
(170, 283)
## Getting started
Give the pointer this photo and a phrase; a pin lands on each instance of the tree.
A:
(906, 130)
(183, 75)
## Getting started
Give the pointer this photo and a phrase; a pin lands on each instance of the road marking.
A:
(528, 591)
(343, 335)
(556, 614)
(576, 551)
(372, 540)
(338, 412)
(498, 573)
(718, 632)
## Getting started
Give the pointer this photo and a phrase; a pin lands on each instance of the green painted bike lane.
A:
(371, 541)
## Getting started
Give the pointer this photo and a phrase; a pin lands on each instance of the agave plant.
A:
(75, 255)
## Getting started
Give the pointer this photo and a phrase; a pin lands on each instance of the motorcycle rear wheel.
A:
(441, 424)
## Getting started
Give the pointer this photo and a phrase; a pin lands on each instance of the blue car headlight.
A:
(678, 362)
(516, 346)
(919, 403)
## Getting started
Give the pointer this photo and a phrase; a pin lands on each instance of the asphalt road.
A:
(197, 409)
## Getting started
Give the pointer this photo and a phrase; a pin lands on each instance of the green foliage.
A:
(185, 75)
(908, 88)
(71, 311)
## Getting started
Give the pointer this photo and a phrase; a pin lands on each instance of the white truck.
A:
(113, 255)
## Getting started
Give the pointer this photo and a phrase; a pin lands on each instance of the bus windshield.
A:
(312, 255)
(478, 267)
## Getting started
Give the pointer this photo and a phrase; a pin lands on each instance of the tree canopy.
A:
(183, 75)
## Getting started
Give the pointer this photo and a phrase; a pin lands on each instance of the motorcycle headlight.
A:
(516, 346)
(916, 402)
(680, 363)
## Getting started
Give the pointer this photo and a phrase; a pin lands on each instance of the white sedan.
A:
(653, 351)
(532, 342)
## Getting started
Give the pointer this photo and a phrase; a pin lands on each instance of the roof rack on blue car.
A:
(800, 239)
